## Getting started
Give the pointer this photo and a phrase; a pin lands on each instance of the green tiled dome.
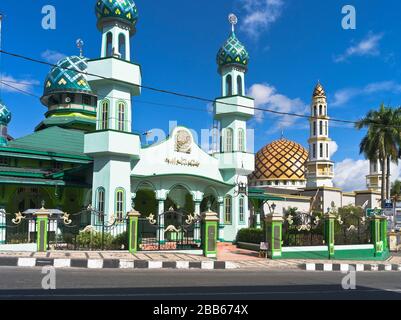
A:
(5, 114)
(124, 10)
(65, 78)
(233, 52)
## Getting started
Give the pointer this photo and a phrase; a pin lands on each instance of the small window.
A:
(315, 111)
(239, 85)
(122, 49)
(314, 150)
(229, 86)
(227, 210)
(86, 100)
(321, 150)
(4, 161)
(320, 127)
(120, 205)
(327, 150)
(109, 44)
(121, 116)
(326, 127)
(241, 140)
(228, 140)
(320, 110)
(314, 128)
(241, 210)
(104, 121)
(100, 205)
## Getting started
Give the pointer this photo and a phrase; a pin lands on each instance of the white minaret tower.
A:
(374, 178)
(113, 147)
(320, 169)
(232, 111)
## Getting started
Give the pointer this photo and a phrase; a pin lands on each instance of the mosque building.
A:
(84, 152)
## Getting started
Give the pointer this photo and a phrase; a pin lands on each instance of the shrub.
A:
(250, 235)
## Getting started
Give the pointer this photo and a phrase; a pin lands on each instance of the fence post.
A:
(2, 226)
(274, 235)
(329, 233)
(376, 228)
(133, 217)
(384, 232)
(42, 223)
(210, 233)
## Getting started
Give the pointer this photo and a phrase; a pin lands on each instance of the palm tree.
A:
(382, 141)
(396, 190)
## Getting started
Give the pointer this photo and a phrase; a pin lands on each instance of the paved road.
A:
(182, 285)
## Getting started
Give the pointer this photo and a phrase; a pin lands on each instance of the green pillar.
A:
(376, 226)
(383, 232)
(133, 217)
(42, 223)
(210, 233)
(274, 230)
(329, 233)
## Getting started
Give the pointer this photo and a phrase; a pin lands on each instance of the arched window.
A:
(109, 44)
(228, 143)
(315, 111)
(241, 210)
(228, 210)
(239, 85)
(320, 127)
(122, 48)
(320, 110)
(104, 116)
(321, 150)
(327, 150)
(120, 197)
(326, 124)
(314, 128)
(121, 116)
(229, 86)
(241, 140)
(100, 200)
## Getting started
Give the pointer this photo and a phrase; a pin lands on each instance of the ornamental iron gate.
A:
(103, 234)
(351, 229)
(171, 230)
(302, 229)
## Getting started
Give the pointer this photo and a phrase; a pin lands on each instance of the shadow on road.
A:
(298, 292)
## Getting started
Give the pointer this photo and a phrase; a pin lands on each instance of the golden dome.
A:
(319, 91)
(280, 160)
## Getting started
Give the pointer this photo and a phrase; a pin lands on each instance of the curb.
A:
(346, 267)
(115, 264)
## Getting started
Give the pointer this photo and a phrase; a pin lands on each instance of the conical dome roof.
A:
(319, 91)
(280, 160)
(233, 52)
(123, 10)
(67, 76)
(5, 114)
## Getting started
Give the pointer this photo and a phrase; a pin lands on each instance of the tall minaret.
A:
(112, 146)
(320, 169)
(232, 110)
(374, 178)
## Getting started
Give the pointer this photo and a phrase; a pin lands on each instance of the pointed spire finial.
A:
(282, 134)
(80, 45)
(232, 18)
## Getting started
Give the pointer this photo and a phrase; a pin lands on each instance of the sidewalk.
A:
(228, 257)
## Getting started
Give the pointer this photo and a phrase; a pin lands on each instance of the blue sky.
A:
(292, 44)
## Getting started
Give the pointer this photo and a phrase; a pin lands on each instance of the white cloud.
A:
(12, 84)
(267, 97)
(260, 15)
(52, 56)
(333, 148)
(350, 175)
(369, 46)
(343, 96)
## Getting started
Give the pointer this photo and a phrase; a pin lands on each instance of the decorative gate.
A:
(171, 230)
(352, 229)
(302, 229)
(80, 234)
(19, 229)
